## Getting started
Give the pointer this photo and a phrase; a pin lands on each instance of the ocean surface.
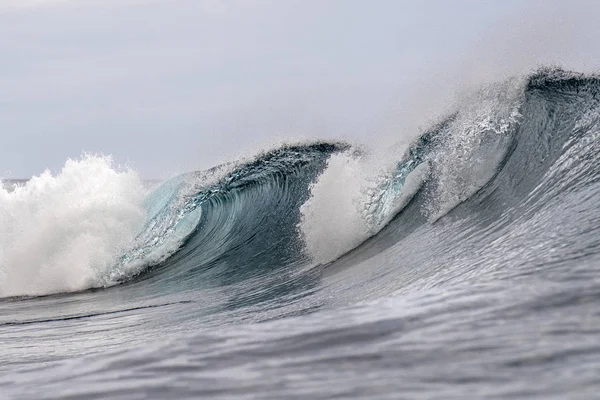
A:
(464, 265)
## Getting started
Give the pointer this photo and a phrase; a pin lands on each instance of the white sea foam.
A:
(331, 222)
(353, 200)
(60, 233)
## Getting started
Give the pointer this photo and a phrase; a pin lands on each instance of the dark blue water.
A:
(467, 266)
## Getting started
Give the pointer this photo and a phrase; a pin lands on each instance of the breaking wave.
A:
(508, 150)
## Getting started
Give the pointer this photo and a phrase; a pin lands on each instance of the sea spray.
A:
(60, 232)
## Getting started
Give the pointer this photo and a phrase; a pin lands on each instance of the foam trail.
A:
(59, 233)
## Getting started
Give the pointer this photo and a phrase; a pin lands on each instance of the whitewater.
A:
(464, 264)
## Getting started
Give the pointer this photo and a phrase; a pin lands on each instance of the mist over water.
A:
(141, 91)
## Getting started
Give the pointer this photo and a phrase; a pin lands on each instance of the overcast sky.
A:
(168, 86)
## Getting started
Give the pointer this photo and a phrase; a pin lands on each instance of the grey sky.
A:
(175, 85)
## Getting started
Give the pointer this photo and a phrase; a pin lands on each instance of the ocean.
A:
(464, 265)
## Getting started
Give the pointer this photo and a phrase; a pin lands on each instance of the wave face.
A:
(469, 260)
(199, 222)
